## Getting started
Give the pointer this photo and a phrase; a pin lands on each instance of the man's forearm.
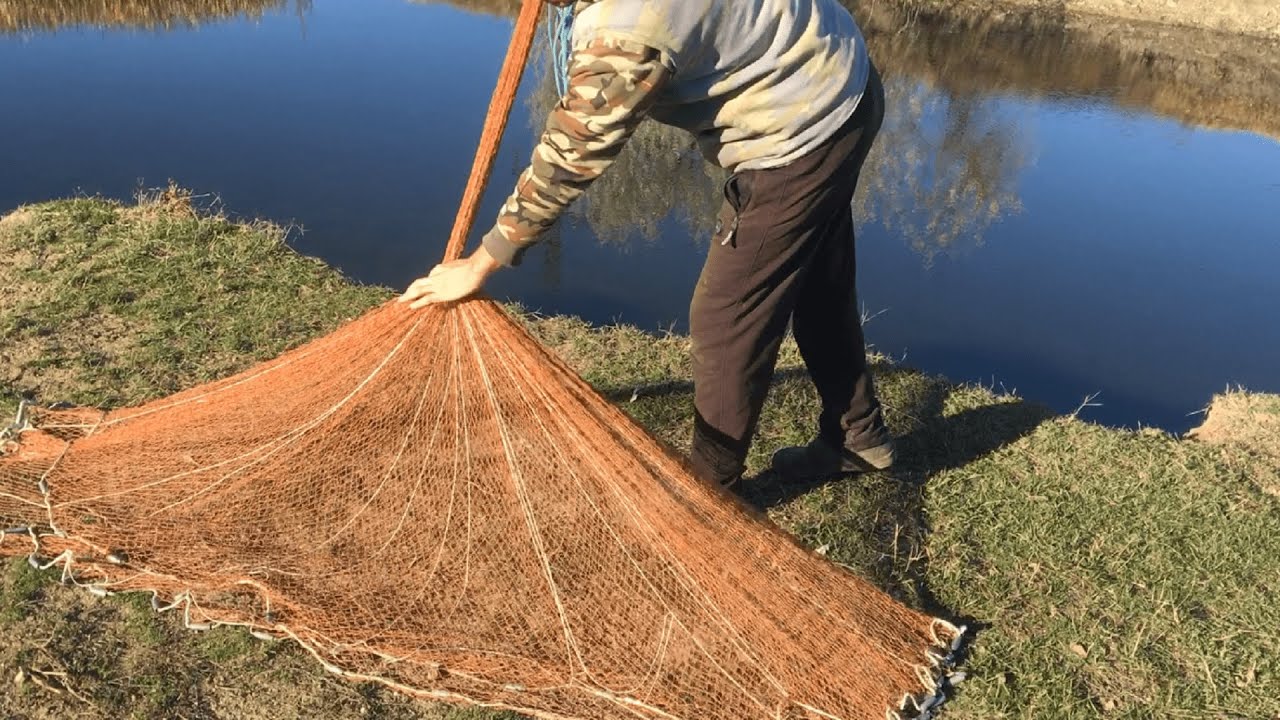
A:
(612, 84)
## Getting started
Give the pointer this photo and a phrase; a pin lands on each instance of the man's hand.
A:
(452, 280)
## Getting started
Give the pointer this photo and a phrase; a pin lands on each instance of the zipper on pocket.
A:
(733, 228)
(734, 198)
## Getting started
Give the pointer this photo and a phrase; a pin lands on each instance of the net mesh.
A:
(432, 500)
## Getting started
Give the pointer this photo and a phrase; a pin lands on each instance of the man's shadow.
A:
(891, 524)
(932, 443)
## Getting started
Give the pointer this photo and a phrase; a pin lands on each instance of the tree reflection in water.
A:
(943, 169)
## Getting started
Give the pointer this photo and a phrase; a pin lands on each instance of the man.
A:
(783, 94)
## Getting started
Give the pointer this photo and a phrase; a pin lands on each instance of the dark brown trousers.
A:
(783, 251)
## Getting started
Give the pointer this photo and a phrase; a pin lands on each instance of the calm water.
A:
(1048, 236)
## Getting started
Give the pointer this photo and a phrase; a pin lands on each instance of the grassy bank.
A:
(1108, 573)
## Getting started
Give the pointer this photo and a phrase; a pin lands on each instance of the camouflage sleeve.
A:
(612, 84)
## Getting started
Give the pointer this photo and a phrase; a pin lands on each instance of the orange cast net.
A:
(432, 500)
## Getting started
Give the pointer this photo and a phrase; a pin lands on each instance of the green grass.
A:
(111, 305)
(20, 590)
(1106, 573)
(224, 644)
(1145, 552)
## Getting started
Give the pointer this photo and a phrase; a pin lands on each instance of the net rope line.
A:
(495, 125)
(654, 537)
(434, 501)
(725, 623)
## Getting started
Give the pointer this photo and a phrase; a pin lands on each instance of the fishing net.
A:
(432, 500)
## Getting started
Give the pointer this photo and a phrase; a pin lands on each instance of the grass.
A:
(107, 305)
(21, 589)
(1108, 573)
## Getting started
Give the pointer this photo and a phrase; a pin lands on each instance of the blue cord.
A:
(560, 33)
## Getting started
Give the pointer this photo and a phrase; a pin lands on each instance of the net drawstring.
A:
(495, 124)
(560, 37)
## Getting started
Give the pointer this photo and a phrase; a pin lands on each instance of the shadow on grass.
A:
(673, 388)
(931, 443)
(878, 524)
(881, 520)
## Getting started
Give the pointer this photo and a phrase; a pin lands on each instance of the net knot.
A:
(21, 423)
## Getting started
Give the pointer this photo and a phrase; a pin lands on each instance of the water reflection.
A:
(37, 15)
(944, 168)
(1151, 68)
(659, 174)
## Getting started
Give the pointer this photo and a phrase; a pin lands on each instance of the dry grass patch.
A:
(1246, 424)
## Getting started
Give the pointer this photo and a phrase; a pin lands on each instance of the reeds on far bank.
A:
(34, 15)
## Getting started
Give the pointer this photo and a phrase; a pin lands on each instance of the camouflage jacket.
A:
(759, 83)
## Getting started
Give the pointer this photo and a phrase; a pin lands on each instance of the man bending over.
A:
(783, 94)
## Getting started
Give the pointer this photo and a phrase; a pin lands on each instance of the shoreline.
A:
(264, 236)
